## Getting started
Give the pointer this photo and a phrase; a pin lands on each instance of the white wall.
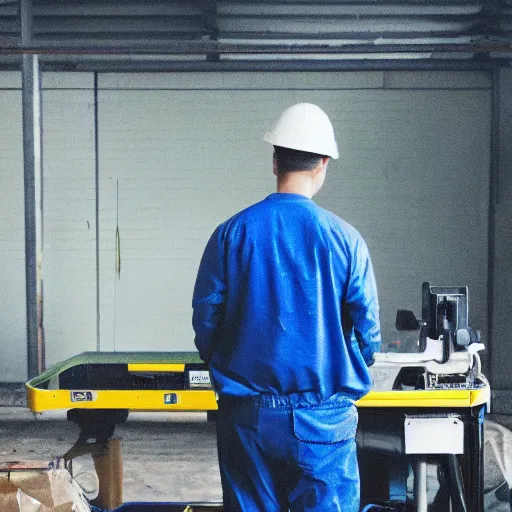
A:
(186, 150)
(187, 153)
(13, 325)
(69, 263)
(69, 204)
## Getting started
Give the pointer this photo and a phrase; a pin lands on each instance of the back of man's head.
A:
(292, 160)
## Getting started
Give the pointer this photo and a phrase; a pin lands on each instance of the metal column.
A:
(31, 100)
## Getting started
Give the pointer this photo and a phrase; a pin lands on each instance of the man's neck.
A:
(295, 183)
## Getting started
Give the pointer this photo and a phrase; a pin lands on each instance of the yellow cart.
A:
(99, 389)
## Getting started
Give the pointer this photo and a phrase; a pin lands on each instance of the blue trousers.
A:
(283, 452)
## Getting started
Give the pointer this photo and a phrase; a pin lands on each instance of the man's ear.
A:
(274, 167)
(322, 166)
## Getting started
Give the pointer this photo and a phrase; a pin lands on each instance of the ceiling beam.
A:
(181, 47)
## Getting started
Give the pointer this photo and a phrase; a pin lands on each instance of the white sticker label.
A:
(434, 435)
(82, 396)
(199, 379)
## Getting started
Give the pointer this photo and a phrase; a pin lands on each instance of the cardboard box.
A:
(39, 487)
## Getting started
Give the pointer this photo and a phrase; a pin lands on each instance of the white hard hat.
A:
(304, 127)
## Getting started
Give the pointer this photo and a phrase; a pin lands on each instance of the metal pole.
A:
(420, 485)
(494, 196)
(212, 46)
(31, 103)
(97, 210)
(120, 65)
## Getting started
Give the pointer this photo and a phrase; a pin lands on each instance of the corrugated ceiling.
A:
(74, 32)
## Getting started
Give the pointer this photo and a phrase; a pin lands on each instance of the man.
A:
(286, 317)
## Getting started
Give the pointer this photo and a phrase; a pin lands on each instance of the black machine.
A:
(444, 313)
(398, 440)
(443, 332)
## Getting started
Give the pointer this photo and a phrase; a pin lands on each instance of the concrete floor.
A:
(166, 456)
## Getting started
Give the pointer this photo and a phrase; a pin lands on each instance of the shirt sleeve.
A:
(362, 302)
(209, 296)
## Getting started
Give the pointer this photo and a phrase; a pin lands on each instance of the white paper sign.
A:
(199, 379)
(434, 435)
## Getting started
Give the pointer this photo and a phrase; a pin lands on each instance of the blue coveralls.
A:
(286, 315)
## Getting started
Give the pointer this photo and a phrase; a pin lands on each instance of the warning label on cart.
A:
(199, 379)
(82, 396)
(170, 398)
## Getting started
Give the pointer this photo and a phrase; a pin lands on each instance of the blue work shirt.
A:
(285, 302)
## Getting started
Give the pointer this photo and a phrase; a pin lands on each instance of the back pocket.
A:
(325, 425)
